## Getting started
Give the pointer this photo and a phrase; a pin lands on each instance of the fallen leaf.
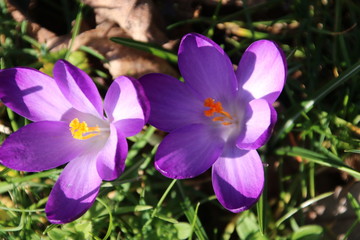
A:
(122, 60)
(136, 17)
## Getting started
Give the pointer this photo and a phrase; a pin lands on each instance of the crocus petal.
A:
(259, 119)
(206, 67)
(75, 190)
(78, 88)
(32, 94)
(262, 70)
(238, 179)
(173, 103)
(40, 146)
(123, 102)
(111, 159)
(188, 151)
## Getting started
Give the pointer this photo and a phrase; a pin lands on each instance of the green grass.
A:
(312, 151)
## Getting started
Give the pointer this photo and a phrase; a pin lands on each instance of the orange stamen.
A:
(209, 113)
(215, 119)
(216, 107)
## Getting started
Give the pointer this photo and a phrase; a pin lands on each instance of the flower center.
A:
(217, 112)
(80, 130)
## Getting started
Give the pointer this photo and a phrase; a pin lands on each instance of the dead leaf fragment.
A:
(136, 17)
(122, 60)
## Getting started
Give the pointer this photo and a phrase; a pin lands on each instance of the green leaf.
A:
(166, 218)
(183, 230)
(321, 159)
(353, 150)
(58, 234)
(354, 204)
(191, 215)
(307, 105)
(302, 206)
(17, 181)
(110, 219)
(147, 47)
(17, 228)
(247, 227)
(309, 232)
(130, 209)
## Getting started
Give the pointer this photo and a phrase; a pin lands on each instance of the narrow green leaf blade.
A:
(147, 47)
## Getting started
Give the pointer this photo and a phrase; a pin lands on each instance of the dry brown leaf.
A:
(231, 3)
(136, 17)
(42, 35)
(122, 60)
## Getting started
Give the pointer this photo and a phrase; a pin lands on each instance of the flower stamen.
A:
(216, 107)
(80, 130)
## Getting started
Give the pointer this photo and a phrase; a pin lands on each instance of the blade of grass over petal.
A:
(147, 47)
(13, 122)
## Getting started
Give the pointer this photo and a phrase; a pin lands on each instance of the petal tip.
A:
(238, 179)
(200, 40)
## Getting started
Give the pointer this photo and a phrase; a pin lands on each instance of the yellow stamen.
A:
(80, 130)
(216, 107)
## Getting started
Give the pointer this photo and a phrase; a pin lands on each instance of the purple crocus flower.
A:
(218, 117)
(69, 126)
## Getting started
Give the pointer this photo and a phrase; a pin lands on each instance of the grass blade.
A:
(290, 213)
(318, 158)
(147, 47)
(306, 106)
